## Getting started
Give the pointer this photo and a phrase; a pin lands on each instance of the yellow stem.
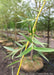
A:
(38, 16)
(22, 59)
(33, 33)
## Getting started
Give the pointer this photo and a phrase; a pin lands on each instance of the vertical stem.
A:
(12, 71)
(31, 55)
(32, 49)
(15, 34)
(48, 38)
(48, 35)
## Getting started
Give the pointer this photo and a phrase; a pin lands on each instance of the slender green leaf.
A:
(43, 56)
(10, 49)
(22, 41)
(36, 35)
(21, 17)
(30, 45)
(13, 63)
(40, 49)
(37, 42)
(9, 55)
(28, 38)
(18, 44)
(14, 53)
(26, 20)
(35, 10)
(25, 52)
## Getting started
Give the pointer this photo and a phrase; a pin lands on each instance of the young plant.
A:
(31, 44)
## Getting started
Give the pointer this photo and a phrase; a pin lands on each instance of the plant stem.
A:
(32, 46)
(33, 32)
(31, 55)
(12, 71)
(48, 37)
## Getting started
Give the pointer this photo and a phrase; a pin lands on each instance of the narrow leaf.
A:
(18, 44)
(43, 56)
(9, 48)
(13, 63)
(25, 52)
(22, 40)
(28, 38)
(27, 20)
(40, 49)
(9, 55)
(37, 42)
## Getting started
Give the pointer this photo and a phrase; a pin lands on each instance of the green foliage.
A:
(32, 46)
(11, 15)
(28, 38)
(42, 24)
(26, 19)
(13, 63)
(11, 24)
(25, 52)
(18, 44)
(13, 51)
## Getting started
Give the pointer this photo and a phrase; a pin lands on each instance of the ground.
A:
(4, 70)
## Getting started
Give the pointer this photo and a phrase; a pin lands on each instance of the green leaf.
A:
(13, 63)
(21, 17)
(28, 38)
(14, 53)
(36, 35)
(25, 52)
(10, 49)
(9, 55)
(30, 45)
(18, 44)
(37, 42)
(43, 56)
(22, 41)
(35, 10)
(27, 20)
(40, 49)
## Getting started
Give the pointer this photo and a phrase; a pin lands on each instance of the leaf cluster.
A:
(32, 46)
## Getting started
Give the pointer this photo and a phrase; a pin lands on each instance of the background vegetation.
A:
(15, 14)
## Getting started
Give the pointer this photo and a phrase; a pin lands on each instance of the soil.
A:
(4, 70)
